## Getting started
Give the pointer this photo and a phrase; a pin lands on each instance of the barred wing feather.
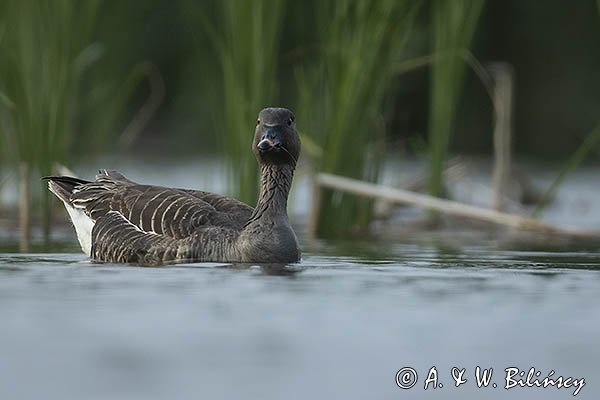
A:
(176, 213)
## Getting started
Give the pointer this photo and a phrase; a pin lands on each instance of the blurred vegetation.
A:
(341, 101)
(39, 73)
(245, 35)
(41, 66)
(50, 91)
(587, 146)
(453, 26)
(83, 78)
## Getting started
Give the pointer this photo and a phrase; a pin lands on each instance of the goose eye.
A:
(258, 122)
(290, 121)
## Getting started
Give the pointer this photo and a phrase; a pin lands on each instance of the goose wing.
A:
(116, 239)
(175, 213)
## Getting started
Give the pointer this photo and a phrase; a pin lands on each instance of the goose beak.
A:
(265, 145)
(269, 141)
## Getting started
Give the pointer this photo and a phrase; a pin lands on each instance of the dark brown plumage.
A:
(145, 224)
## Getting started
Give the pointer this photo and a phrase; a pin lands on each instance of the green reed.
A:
(41, 40)
(245, 35)
(341, 94)
(577, 158)
(453, 26)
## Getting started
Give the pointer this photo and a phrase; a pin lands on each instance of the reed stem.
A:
(246, 39)
(24, 207)
(454, 24)
(341, 100)
(590, 143)
(40, 43)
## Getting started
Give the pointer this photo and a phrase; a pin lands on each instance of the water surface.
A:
(332, 326)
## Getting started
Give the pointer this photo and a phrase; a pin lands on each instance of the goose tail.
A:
(63, 186)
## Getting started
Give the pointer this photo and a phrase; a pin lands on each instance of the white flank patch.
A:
(83, 226)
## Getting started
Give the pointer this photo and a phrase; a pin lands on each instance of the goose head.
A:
(276, 140)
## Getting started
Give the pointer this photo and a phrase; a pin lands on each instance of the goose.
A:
(120, 221)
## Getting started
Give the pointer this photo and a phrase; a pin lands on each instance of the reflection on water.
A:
(331, 326)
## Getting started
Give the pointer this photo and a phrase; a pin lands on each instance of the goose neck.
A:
(275, 184)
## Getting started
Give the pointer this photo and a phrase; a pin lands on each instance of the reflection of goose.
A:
(118, 220)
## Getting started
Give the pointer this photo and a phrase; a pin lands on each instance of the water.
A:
(340, 324)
